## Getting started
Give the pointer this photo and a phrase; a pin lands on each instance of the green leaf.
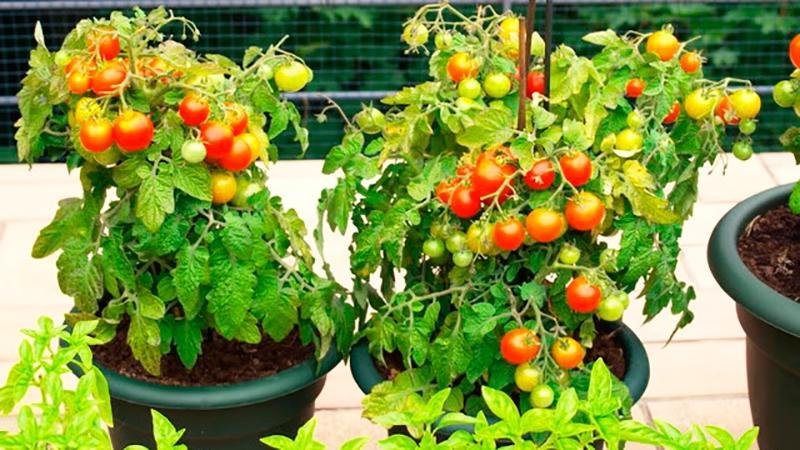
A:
(230, 298)
(62, 228)
(340, 155)
(501, 405)
(165, 434)
(149, 305)
(193, 179)
(236, 236)
(155, 199)
(190, 272)
(493, 127)
(188, 337)
(600, 382)
(128, 173)
(79, 278)
(605, 38)
(794, 199)
(567, 406)
(144, 339)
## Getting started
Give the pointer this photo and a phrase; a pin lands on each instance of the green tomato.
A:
(462, 258)
(244, 191)
(370, 120)
(469, 88)
(415, 34)
(456, 242)
(193, 151)
(542, 396)
(292, 76)
(622, 297)
(608, 259)
(466, 104)
(611, 309)
(742, 150)
(438, 230)
(527, 377)
(608, 143)
(569, 254)
(433, 248)
(497, 85)
(784, 94)
(108, 157)
(62, 58)
(265, 72)
(747, 127)
(635, 119)
(443, 40)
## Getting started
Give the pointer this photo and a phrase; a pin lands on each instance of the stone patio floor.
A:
(698, 378)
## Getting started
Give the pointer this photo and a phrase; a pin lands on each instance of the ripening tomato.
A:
(584, 211)
(691, 62)
(415, 34)
(699, 103)
(490, 175)
(519, 346)
(223, 187)
(545, 225)
(194, 110)
(480, 239)
(527, 377)
(497, 85)
(239, 157)
(509, 234)
(96, 135)
(576, 168)
(292, 76)
(460, 66)
(108, 46)
(236, 117)
(664, 44)
(536, 83)
(794, 51)
(254, 143)
(109, 78)
(746, 103)
(583, 296)
(567, 353)
(218, 139)
(86, 108)
(465, 202)
(133, 131)
(78, 82)
(444, 191)
(509, 29)
(541, 175)
(673, 115)
(725, 112)
(635, 87)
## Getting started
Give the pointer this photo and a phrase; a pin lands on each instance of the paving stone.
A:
(337, 426)
(781, 166)
(698, 228)
(702, 368)
(734, 182)
(341, 390)
(730, 413)
(695, 260)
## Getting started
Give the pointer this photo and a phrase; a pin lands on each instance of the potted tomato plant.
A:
(752, 256)
(505, 236)
(202, 284)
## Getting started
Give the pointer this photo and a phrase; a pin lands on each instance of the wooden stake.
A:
(523, 73)
(548, 49)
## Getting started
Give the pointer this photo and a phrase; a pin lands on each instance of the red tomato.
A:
(133, 131)
(583, 296)
(567, 353)
(509, 234)
(541, 175)
(576, 168)
(674, 114)
(635, 87)
(108, 47)
(725, 111)
(545, 225)
(236, 117)
(465, 202)
(490, 175)
(794, 51)
(239, 157)
(109, 78)
(78, 82)
(584, 211)
(444, 191)
(193, 110)
(96, 135)
(218, 139)
(460, 66)
(535, 83)
(520, 346)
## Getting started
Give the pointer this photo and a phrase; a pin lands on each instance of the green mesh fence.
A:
(356, 53)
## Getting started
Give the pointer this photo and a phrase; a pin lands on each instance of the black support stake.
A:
(548, 49)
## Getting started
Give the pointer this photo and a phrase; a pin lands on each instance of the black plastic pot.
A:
(636, 377)
(770, 321)
(230, 417)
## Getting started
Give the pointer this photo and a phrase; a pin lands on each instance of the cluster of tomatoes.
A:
(787, 92)
(737, 109)
(491, 181)
(521, 347)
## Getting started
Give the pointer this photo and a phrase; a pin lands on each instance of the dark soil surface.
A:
(605, 346)
(222, 361)
(770, 248)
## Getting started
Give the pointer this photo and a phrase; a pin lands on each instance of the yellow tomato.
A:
(746, 103)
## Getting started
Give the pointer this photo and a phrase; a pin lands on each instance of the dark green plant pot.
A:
(636, 377)
(770, 321)
(230, 417)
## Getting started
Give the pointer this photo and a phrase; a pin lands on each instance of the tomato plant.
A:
(162, 246)
(453, 165)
